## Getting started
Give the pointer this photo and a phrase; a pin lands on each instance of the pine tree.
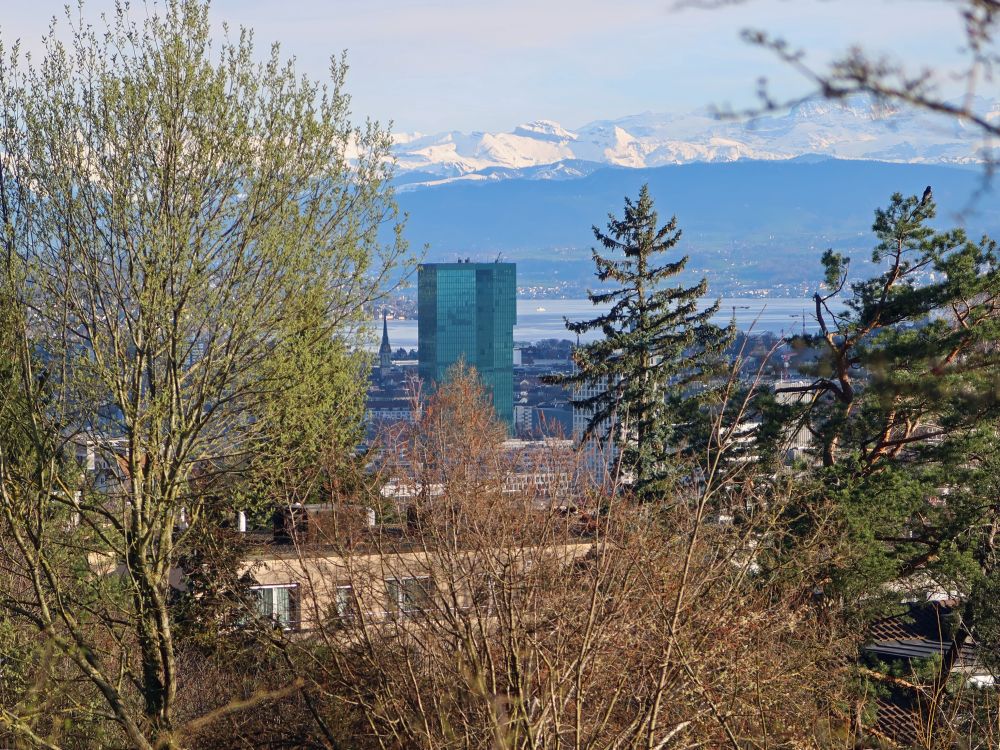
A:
(903, 405)
(658, 353)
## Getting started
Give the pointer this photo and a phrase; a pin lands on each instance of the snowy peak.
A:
(454, 154)
(545, 130)
(858, 128)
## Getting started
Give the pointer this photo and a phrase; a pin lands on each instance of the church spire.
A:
(385, 350)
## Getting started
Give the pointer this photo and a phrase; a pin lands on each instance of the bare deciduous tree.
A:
(498, 614)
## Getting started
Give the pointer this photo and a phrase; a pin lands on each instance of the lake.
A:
(543, 318)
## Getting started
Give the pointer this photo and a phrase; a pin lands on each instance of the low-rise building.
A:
(321, 567)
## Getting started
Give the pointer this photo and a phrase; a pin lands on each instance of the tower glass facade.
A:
(467, 311)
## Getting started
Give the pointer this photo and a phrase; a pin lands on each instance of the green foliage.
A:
(194, 228)
(984, 612)
(659, 353)
(214, 598)
(835, 266)
(904, 403)
(313, 421)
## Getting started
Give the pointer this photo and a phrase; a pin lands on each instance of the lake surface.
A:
(543, 318)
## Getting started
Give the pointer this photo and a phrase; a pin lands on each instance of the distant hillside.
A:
(752, 222)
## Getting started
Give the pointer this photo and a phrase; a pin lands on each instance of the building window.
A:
(343, 602)
(483, 593)
(409, 596)
(279, 604)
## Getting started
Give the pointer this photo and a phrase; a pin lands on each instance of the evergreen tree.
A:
(659, 352)
(903, 404)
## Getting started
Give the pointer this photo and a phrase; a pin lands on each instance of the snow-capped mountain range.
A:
(856, 129)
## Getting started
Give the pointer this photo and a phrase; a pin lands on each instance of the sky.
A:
(468, 65)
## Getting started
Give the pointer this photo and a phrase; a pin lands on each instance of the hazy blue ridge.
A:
(769, 218)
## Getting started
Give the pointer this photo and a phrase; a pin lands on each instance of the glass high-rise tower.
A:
(467, 311)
